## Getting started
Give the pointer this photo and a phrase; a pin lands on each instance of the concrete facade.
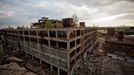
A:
(62, 48)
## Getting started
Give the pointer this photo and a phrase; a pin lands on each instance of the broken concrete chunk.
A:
(15, 59)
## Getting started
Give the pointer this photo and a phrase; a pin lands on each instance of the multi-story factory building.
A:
(62, 48)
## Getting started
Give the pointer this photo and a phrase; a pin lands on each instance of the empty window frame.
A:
(78, 50)
(12, 36)
(43, 33)
(72, 63)
(27, 39)
(20, 32)
(43, 41)
(12, 32)
(34, 40)
(52, 33)
(72, 54)
(53, 43)
(15, 36)
(21, 37)
(15, 32)
(62, 45)
(62, 34)
(78, 41)
(77, 58)
(72, 34)
(78, 32)
(33, 33)
(26, 32)
(72, 44)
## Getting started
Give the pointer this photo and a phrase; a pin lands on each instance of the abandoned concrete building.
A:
(120, 43)
(61, 48)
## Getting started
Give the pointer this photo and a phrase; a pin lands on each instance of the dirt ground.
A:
(33, 67)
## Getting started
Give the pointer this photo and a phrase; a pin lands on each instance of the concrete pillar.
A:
(29, 38)
(26, 53)
(75, 54)
(58, 71)
(37, 39)
(56, 34)
(68, 35)
(75, 33)
(32, 57)
(51, 66)
(68, 73)
(48, 37)
(75, 42)
(56, 37)
(68, 45)
(40, 62)
(38, 45)
(68, 62)
(23, 38)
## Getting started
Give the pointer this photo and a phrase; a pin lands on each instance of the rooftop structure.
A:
(45, 22)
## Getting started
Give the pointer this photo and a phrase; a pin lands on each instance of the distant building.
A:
(121, 45)
(110, 31)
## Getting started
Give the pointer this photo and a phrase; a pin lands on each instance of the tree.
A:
(49, 24)
(75, 18)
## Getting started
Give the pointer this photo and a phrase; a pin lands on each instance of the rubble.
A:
(30, 67)
(110, 67)
(15, 59)
(14, 69)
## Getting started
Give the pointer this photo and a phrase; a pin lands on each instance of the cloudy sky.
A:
(97, 12)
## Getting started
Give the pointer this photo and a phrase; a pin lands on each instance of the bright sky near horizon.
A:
(93, 12)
